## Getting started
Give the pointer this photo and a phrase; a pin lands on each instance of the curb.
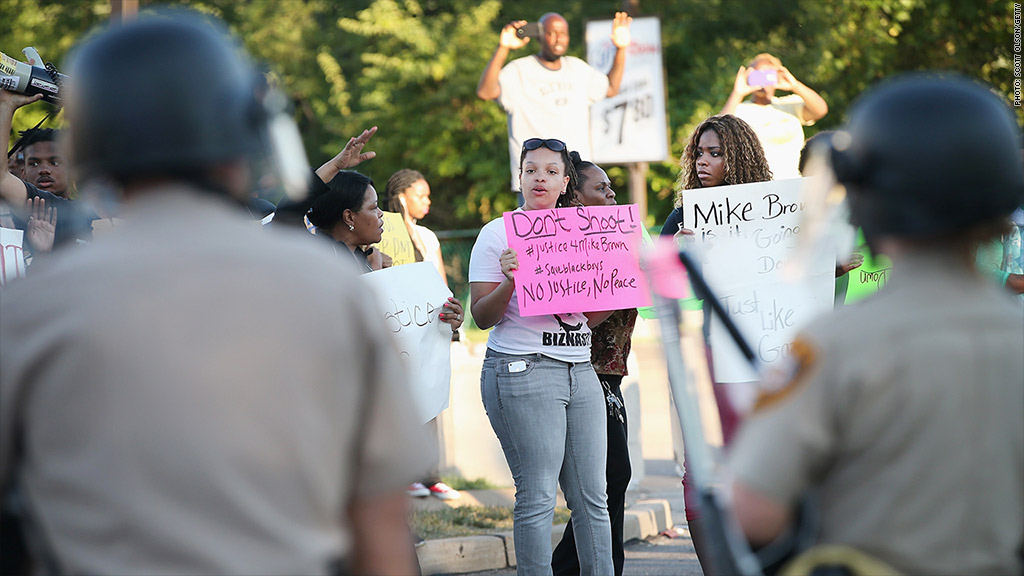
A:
(464, 554)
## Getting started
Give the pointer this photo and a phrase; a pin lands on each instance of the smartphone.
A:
(530, 30)
(517, 366)
(763, 78)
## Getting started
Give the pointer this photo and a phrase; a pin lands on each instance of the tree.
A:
(411, 67)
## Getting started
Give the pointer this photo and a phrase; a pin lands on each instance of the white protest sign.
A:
(746, 234)
(412, 297)
(630, 126)
(12, 255)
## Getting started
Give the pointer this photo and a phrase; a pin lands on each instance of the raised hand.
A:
(621, 36)
(42, 224)
(352, 154)
(786, 81)
(740, 86)
(509, 39)
(14, 100)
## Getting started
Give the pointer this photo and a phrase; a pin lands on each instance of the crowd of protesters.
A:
(226, 402)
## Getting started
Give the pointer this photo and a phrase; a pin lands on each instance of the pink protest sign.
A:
(579, 259)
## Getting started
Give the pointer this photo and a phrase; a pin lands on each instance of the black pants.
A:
(564, 560)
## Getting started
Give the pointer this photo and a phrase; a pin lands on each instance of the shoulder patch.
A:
(785, 378)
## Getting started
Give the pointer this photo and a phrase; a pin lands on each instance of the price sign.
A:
(630, 126)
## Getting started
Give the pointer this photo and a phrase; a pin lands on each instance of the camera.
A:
(30, 79)
(530, 30)
(763, 78)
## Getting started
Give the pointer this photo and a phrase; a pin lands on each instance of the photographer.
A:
(548, 95)
(778, 122)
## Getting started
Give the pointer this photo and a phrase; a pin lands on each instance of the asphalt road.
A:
(656, 556)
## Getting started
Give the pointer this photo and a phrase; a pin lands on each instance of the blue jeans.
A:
(549, 416)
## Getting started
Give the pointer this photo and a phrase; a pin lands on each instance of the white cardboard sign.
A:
(746, 234)
(12, 255)
(411, 299)
(630, 126)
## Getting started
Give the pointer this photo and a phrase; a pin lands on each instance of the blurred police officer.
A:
(904, 410)
(190, 394)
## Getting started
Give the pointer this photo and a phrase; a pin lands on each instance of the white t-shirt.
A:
(430, 246)
(543, 103)
(780, 128)
(564, 337)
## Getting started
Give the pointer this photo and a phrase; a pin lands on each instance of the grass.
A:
(468, 521)
(460, 483)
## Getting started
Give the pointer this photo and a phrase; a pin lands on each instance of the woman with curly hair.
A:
(723, 150)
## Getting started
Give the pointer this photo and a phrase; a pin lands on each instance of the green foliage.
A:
(418, 82)
(411, 67)
(460, 483)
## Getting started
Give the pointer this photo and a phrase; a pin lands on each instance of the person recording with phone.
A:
(778, 122)
(549, 94)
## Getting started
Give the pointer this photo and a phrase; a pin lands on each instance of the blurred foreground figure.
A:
(903, 411)
(191, 394)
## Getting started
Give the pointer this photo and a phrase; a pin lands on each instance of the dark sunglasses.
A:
(551, 144)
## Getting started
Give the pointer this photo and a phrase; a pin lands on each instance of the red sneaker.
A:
(444, 492)
(418, 490)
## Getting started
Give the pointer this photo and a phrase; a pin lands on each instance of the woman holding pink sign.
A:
(541, 393)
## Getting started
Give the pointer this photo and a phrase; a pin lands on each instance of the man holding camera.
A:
(548, 95)
(778, 122)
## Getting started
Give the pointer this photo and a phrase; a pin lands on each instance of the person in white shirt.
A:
(548, 95)
(541, 393)
(778, 122)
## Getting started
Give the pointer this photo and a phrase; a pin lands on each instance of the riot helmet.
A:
(171, 95)
(926, 155)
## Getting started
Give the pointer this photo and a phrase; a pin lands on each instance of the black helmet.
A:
(168, 94)
(925, 155)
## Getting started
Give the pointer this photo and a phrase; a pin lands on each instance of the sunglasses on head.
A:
(551, 144)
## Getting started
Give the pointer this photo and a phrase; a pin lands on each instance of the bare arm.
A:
(490, 299)
(595, 318)
(740, 90)
(621, 38)
(42, 224)
(1015, 282)
(351, 155)
(383, 544)
(488, 88)
(12, 189)
(440, 260)
(761, 519)
(815, 106)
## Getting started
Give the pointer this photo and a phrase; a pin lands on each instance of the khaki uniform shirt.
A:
(905, 411)
(195, 395)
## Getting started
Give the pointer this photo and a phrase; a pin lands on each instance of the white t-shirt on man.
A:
(543, 103)
(780, 128)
